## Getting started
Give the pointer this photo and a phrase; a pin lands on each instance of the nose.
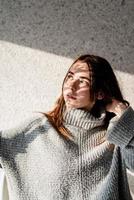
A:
(73, 84)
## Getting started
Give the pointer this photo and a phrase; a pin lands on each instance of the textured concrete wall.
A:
(38, 40)
(69, 28)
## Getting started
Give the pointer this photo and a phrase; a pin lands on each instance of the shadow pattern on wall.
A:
(70, 28)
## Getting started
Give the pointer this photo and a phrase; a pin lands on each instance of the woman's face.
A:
(76, 88)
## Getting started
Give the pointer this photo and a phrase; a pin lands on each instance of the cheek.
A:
(84, 93)
(65, 90)
(65, 85)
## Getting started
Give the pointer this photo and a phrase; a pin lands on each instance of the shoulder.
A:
(29, 123)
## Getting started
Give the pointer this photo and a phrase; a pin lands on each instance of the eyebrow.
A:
(80, 76)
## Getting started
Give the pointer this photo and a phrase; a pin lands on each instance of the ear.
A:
(100, 95)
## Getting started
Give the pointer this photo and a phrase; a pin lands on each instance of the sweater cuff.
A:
(121, 130)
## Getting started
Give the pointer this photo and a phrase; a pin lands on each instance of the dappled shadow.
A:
(16, 140)
(71, 28)
(20, 141)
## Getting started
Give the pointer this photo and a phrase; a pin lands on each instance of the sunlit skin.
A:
(116, 107)
(76, 90)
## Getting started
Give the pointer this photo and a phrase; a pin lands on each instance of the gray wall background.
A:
(39, 39)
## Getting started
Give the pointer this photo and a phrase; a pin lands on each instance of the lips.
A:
(71, 96)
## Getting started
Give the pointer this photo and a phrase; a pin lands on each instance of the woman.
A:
(79, 150)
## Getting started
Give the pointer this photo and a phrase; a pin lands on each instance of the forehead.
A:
(80, 68)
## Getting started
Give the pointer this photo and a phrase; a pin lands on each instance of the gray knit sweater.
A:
(40, 164)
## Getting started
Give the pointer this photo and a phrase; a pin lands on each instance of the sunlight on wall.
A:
(126, 82)
(30, 80)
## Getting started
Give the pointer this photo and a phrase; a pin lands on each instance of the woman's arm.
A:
(121, 131)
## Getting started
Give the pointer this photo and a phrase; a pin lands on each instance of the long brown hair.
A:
(103, 79)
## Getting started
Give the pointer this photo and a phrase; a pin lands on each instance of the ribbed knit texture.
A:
(40, 164)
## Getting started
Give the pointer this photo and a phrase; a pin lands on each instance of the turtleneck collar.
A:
(82, 118)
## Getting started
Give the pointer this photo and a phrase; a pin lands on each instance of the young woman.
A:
(78, 151)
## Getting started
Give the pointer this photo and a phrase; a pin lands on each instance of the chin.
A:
(71, 106)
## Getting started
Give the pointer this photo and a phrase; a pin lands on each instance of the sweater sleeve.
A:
(13, 136)
(121, 133)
